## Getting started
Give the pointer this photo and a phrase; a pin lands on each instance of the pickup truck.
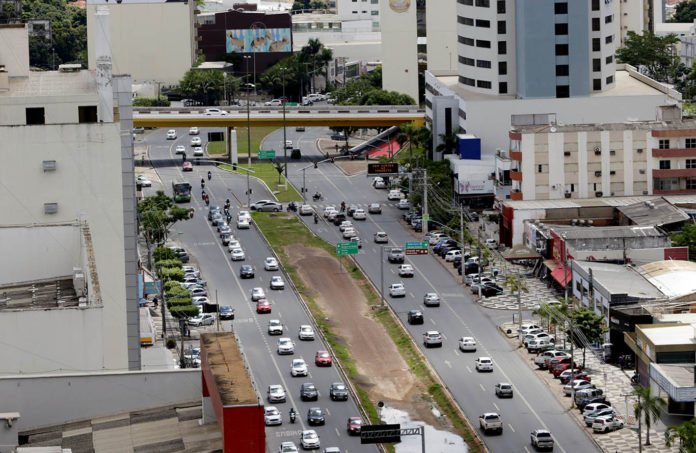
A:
(543, 359)
(490, 421)
(541, 439)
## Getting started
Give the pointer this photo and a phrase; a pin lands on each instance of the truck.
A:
(490, 421)
(541, 439)
(182, 191)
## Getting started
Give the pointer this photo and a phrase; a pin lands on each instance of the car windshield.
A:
(315, 411)
(323, 354)
(284, 342)
(309, 387)
(339, 387)
(356, 422)
(271, 411)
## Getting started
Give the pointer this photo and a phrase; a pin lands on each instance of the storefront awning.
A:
(520, 252)
(562, 275)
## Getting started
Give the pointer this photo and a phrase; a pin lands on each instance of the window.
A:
(562, 70)
(595, 5)
(664, 144)
(666, 183)
(374, 13)
(87, 113)
(483, 43)
(560, 8)
(502, 47)
(465, 20)
(595, 24)
(609, 59)
(665, 164)
(691, 183)
(35, 115)
(596, 84)
(483, 23)
(483, 64)
(691, 142)
(561, 49)
(467, 81)
(484, 84)
(374, 2)
(562, 91)
(502, 87)
(610, 80)
(502, 27)
(690, 163)
(483, 3)
(540, 168)
(561, 29)
(609, 39)
(596, 45)
(572, 187)
(609, 19)
(467, 61)
(466, 2)
(502, 67)
(465, 41)
(501, 6)
(596, 64)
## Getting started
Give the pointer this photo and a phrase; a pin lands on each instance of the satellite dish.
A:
(553, 129)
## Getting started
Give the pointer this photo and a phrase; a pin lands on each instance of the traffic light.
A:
(315, 164)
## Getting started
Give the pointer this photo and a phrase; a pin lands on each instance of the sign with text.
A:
(267, 154)
(346, 248)
(416, 245)
(416, 251)
(382, 168)
(379, 434)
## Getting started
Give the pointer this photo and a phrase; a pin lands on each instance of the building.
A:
(359, 15)
(441, 38)
(68, 291)
(399, 46)
(473, 179)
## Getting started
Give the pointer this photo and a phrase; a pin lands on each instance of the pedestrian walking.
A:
(154, 300)
(191, 213)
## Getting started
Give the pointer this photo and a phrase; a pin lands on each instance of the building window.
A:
(562, 70)
(561, 29)
(467, 81)
(502, 67)
(483, 84)
(483, 64)
(691, 142)
(465, 20)
(610, 80)
(561, 49)
(665, 164)
(374, 13)
(595, 5)
(465, 41)
(595, 24)
(596, 45)
(374, 2)
(560, 8)
(466, 2)
(562, 91)
(609, 19)
(609, 39)
(483, 23)
(483, 3)
(664, 144)
(501, 6)
(483, 43)
(87, 113)
(666, 183)
(596, 84)
(467, 61)
(690, 163)
(502, 47)
(609, 59)
(502, 87)
(35, 115)
(691, 183)
(540, 168)
(502, 27)
(596, 64)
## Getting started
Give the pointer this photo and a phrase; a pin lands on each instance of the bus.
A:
(182, 191)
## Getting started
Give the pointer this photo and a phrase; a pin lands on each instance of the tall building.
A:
(362, 15)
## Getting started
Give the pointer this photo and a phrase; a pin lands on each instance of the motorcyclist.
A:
(317, 196)
(207, 201)
(316, 218)
(202, 183)
(210, 175)
(203, 194)
(293, 414)
(343, 206)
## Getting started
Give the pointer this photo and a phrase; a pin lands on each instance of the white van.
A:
(492, 244)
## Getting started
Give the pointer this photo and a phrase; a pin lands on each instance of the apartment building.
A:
(364, 15)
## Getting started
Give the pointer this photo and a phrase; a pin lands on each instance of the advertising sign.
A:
(475, 187)
(384, 168)
(258, 40)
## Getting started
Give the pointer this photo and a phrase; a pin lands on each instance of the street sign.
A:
(416, 245)
(416, 251)
(426, 217)
(266, 154)
(346, 248)
(152, 287)
(379, 434)
(382, 168)
(291, 104)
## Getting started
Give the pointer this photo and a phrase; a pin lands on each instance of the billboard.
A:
(258, 40)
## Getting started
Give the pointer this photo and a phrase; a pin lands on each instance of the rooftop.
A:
(590, 202)
(674, 278)
(665, 334)
(606, 232)
(655, 212)
(49, 293)
(52, 83)
(228, 369)
(619, 279)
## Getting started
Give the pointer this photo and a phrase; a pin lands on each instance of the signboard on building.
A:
(258, 40)
(383, 168)
(475, 187)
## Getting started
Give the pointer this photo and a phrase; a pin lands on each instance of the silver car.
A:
(503, 389)
(257, 293)
(432, 338)
(431, 300)
(285, 346)
(271, 416)
(266, 205)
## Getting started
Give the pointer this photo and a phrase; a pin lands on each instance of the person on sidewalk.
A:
(154, 300)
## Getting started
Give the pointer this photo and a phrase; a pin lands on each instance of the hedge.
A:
(169, 273)
(184, 311)
(170, 263)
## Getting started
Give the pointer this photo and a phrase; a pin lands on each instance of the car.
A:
(351, 210)
(432, 338)
(196, 141)
(503, 389)
(257, 293)
(197, 151)
(406, 270)
(356, 239)
(594, 400)
(213, 210)
(271, 416)
(266, 206)
(309, 439)
(491, 421)
(226, 238)
(359, 214)
(194, 130)
(374, 208)
(270, 264)
(381, 237)
(577, 384)
(315, 416)
(218, 219)
(329, 209)
(467, 344)
(592, 407)
(215, 112)
(565, 375)
(224, 228)
(187, 166)
(590, 417)
(306, 209)
(143, 181)
(338, 136)
(415, 317)
(299, 128)
(490, 291)
(197, 291)
(345, 224)
(606, 424)
(275, 327)
(171, 134)
(397, 290)
(276, 393)
(200, 300)
(298, 368)
(246, 271)
(226, 312)
(242, 223)
(537, 336)
(238, 255)
(180, 149)
(338, 391)
(306, 333)
(138, 130)
(525, 328)
(263, 306)
(349, 233)
(287, 447)
(233, 244)
(484, 364)
(395, 195)
(452, 254)
(541, 439)
(404, 204)
(274, 102)
(586, 396)
(277, 282)
(396, 255)
(431, 300)
(323, 358)
(354, 425)
(337, 218)
(285, 346)
(205, 319)
(308, 392)
(492, 244)
(244, 215)
(541, 344)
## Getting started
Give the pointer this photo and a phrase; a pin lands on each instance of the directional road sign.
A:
(267, 154)
(378, 434)
(416, 251)
(383, 168)
(416, 245)
(347, 248)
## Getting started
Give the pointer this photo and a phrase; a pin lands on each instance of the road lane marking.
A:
(433, 321)
(412, 296)
(337, 433)
(513, 429)
(468, 369)
(527, 449)
(483, 389)
(496, 407)
(444, 336)
(456, 352)
(447, 362)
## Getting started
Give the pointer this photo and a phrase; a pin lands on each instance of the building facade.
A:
(360, 11)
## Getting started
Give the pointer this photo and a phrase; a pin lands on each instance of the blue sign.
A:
(152, 287)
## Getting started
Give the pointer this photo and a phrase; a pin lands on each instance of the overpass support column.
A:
(232, 145)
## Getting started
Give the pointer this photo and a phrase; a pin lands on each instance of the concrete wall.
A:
(46, 400)
(14, 51)
(399, 40)
(441, 33)
(358, 46)
(57, 109)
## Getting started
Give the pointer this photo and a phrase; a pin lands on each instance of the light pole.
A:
(247, 58)
(285, 148)
(253, 27)
(224, 86)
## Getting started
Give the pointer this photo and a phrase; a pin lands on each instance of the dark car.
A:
(338, 218)
(418, 226)
(396, 256)
(226, 312)
(212, 211)
(338, 391)
(441, 244)
(415, 317)
(457, 262)
(296, 153)
(487, 290)
(338, 136)
(443, 250)
(354, 425)
(471, 268)
(308, 392)
(351, 209)
(246, 271)
(315, 416)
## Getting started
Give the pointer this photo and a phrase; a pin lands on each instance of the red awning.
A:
(558, 275)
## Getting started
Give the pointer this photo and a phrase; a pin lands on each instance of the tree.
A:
(687, 238)
(684, 12)
(202, 86)
(279, 167)
(517, 286)
(448, 143)
(553, 315)
(685, 433)
(654, 53)
(648, 409)
(157, 215)
(587, 328)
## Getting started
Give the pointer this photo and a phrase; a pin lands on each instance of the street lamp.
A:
(253, 27)
(285, 148)
(247, 58)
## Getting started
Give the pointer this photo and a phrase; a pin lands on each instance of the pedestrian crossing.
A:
(337, 205)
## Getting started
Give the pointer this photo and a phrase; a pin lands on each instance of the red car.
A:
(322, 358)
(558, 369)
(188, 166)
(263, 306)
(579, 375)
(354, 425)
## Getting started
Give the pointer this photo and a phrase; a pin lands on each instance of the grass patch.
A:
(268, 173)
(283, 230)
(257, 136)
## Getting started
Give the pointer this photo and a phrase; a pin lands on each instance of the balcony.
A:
(516, 155)
(516, 196)
(673, 173)
(515, 175)
(674, 152)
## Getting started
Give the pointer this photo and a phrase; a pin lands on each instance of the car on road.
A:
(590, 417)
(306, 333)
(224, 229)
(351, 210)
(329, 209)
(396, 255)
(285, 346)
(415, 317)
(379, 183)
(374, 208)
(381, 237)
(288, 447)
(270, 264)
(263, 306)
(354, 425)
(226, 312)
(194, 131)
(359, 214)
(397, 290)
(338, 391)
(323, 358)
(138, 130)
(171, 134)
(277, 282)
(246, 271)
(242, 223)
(406, 270)
(180, 149)
(484, 364)
(467, 344)
(205, 319)
(275, 327)
(245, 215)
(257, 293)
(296, 153)
(432, 338)
(233, 244)
(238, 255)
(197, 151)
(196, 141)
(395, 195)
(404, 204)
(315, 416)
(606, 424)
(503, 390)
(187, 166)
(349, 233)
(491, 421)
(213, 111)
(309, 439)
(273, 103)
(226, 238)
(431, 300)
(298, 368)
(541, 439)
(143, 181)
(345, 224)
(308, 392)
(271, 416)
(492, 244)
(276, 393)
(338, 136)
(306, 209)
(337, 218)
(266, 206)
(299, 128)
(356, 239)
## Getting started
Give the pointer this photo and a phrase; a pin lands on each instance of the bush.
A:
(173, 263)
(184, 311)
(171, 343)
(170, 273)
(163, 253)
(169, 284)
(176, 291)
(151, 102)
(178, 302)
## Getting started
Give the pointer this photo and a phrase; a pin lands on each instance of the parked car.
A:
(266, 206)
(590, 417)
(404, 204)
(606, 424)
(452, 254)
(592, 407)
(205, 319)
(577, 384)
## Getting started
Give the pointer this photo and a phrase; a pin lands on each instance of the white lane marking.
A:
(468, 369)
(456, 352)
(444, 336)
(483, 389)
(337, 433)
(447, 362)
(433, 321)
(526, 449)
(327, 412)
(412, 296)
(496, 407)
(513, 429)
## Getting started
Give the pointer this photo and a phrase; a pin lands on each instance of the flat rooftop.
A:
(619, 279)
(674, 278)
(665, 335)
(607, 232)
(52, 83)
(49, 293)
(228, 369)
(682, 375)
(590, 202)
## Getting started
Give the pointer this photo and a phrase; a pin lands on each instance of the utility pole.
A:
(218, 310)
(247, 57)
(519, 302)
(425, 202)
(381, 274)
(461, 240)
(182, 323)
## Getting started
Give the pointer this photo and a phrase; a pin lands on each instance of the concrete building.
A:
(69, 284)
(441, 38)
(360, 15)
(399, 47)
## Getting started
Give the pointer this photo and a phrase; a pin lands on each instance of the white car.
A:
(196, 141)
(309, 439)
(405, 270)
(306, 209)
(242, 223)
(345, 224)
(288, 144)
(202, 320)
(271, 416)
(271, 264)
(577, 384)
(397, 290)
(275, 327)
(484, 364)
(467, 344)
(298, 368)
(452, 254)
(180, 149)
(143, 181)
(395, 195)
(381, 237)
(257, 293)
(306, 333)
(215, 112)
(199, 300)
(234, 244)
(274, 102)
(359, 214)
(194, 131)
(171, 134)
(276, 394)
(285, 346)
(288, 447)
(328, 210)
(404, 204)
(238, 255)
(277, 282)
(197, 151)
(349, 233)
(245, 215)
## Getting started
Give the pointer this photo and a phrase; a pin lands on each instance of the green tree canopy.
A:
(685, 434)
(367, 90)
(157, 215)
(202, 86)
(648, 410)
(685, 12)
(655, 53)
(309, 4)
(687, 238)
(588, 328)
(293, 75)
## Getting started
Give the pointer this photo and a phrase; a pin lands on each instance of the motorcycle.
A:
(635, 379)
(292, 207)
(316, 219)
(292, 416)
(210, 175)
(316, 196)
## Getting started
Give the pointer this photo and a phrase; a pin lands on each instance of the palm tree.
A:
(407, 134)
(517, 286)
(448, 144)
(279, 167)
(648, 409)
(686, 433)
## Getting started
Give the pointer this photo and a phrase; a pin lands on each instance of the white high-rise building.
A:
(359, 15)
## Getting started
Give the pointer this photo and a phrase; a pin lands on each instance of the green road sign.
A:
(426, 217)
(347, 248)
(416, 245)
(267, 154)
(291, 104)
